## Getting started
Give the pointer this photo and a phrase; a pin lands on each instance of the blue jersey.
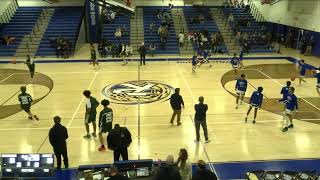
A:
(194, 60)
(291, 102)
(256, 99)
(303, 69)
(241, 85)
(284, 91)
(205, 54)
(234, 61)
(318, 77)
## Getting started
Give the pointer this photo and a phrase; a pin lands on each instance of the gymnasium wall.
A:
(3, 5)
(297, 13)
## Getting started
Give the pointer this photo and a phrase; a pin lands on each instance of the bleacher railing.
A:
(8, 13)
(255, 11)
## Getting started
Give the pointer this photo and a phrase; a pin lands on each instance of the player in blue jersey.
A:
(285, 91)
(194, 62)
(302, 71)
(291, 105)
(317, 75)
(235, 64)
(205, 59)
(256, 102)
(241, 88)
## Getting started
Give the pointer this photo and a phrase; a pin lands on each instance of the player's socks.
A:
(36, 117)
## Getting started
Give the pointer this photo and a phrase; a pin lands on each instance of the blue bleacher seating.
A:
(209, 24)
(21, 24)
(149, 16)
(65, 22)
(254, 26)
(110, 28)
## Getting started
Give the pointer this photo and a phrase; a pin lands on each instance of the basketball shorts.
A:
(254, 105)
(235, 66)
(103, 128)
(26, 108)
(240, 92)
(288, 111)
(89, 118)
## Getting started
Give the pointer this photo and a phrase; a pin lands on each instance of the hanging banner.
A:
(92, 18)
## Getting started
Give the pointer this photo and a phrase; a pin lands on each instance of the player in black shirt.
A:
(25, 102)
(29, 62)
(93, 58)
(105, 122)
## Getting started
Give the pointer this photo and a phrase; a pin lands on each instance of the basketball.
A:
(14, 61)
(293, 78)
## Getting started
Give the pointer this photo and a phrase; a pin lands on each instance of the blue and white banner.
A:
(93, 20)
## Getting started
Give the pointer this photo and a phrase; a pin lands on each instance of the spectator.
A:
(202, 173)
(119, 139)
(118, 33)
(181, 39)
(176, 102)
(168, 171)
(153, 28)
(231, 20)
(226, 3)
(242, 4)
(142, 52)
(114, 174)
(184, 165)
(201, 19)
(200, 119)
(310, 45)
(58, 135)
(152, 49)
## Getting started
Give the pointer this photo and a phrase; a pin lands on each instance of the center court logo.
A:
(130, 92)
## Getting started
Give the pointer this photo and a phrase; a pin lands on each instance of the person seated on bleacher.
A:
(159, 14)
(66, 48)
(231, 20)
(163, 33)
(152, 28)
(236, 4)
(124, 31)
(201, 19)
(118, 33)
(7, 40)
(226, 3)
(247, 8)
(168, 171)
(202, 173)
(114, 174)
(242, 4)
(231, 4)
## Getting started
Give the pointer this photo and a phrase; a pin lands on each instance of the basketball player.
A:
(317, 75)
(91, 112)
(235, 64)
(291, 105)
(285, 92)
(105, 122)
(93, 58)
(256, 102)
(302, 71)
(194, 62)
(30, 63)
(25, 103)
(205, 59)
(123, 54)
(241, 88)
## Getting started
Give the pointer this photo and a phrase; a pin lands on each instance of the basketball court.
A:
(139, 99)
